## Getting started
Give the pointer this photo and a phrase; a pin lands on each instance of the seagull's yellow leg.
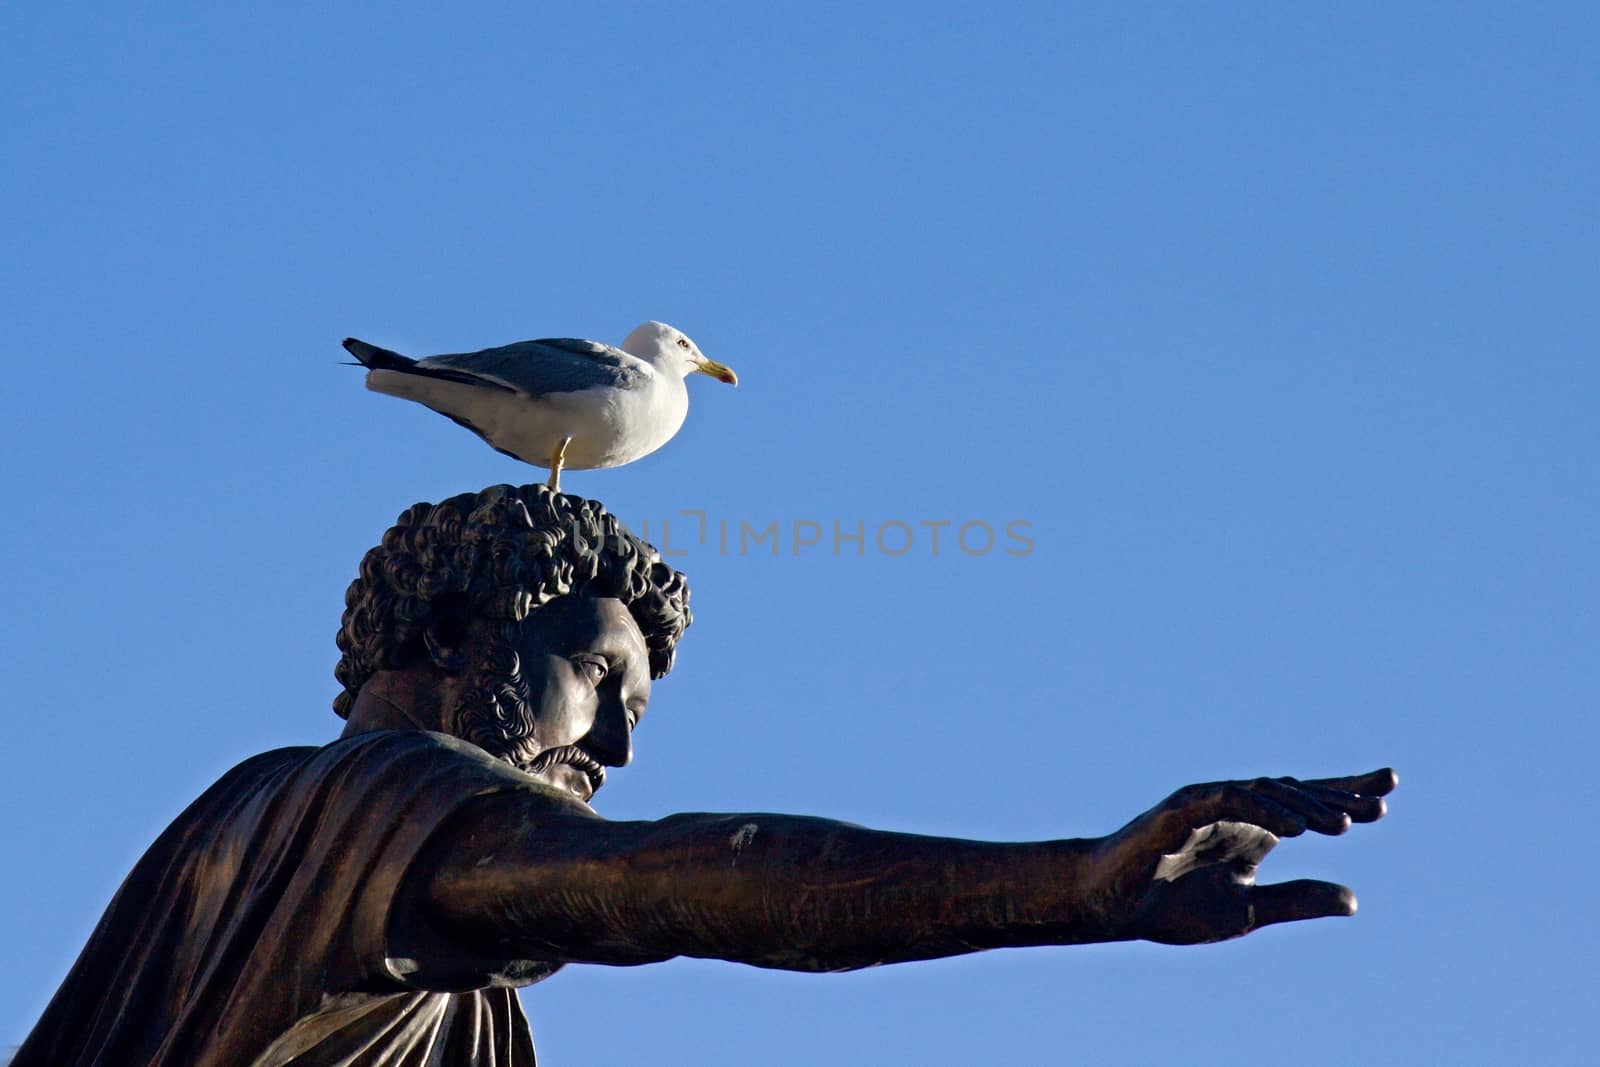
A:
(557, 457)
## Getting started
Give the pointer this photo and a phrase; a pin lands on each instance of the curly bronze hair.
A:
(499, 554)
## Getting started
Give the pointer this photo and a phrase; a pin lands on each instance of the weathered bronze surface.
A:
(380, 899)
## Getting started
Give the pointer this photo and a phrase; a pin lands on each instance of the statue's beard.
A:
(495, 712)
(495, 709)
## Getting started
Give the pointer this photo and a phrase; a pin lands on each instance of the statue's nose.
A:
(610, 741)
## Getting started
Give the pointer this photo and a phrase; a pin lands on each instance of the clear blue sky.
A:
(1276, 324)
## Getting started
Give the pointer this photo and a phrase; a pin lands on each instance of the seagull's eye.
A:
(683, 342)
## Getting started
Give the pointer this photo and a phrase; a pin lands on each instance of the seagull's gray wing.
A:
(551, 365)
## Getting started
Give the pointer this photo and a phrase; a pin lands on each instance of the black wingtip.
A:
(374, 358)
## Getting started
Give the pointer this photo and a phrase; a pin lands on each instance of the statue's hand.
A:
(1184, 872)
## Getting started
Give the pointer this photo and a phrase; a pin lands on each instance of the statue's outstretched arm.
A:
(810, 894)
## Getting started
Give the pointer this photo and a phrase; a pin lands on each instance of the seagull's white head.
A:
(668, 349)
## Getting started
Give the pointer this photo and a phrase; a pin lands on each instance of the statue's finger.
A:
(1360, 807)
(1378, 783)
(1320, 817)
(1234, 802)
(1288, 902)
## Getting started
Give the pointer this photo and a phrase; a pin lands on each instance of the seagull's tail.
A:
(374, 358)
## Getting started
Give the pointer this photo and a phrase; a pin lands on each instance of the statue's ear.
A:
(445, 636)
(447, 656)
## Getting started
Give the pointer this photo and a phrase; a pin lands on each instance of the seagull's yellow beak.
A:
(716, 370)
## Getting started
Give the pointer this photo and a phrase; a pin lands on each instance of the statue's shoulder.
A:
(371, 744)
(417, 744)
(376, 755)
(426, 753)
(387, 767)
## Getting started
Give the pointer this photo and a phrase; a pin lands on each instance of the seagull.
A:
(561, 403)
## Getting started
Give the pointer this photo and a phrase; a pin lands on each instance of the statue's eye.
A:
(683, 342)
(593, 668)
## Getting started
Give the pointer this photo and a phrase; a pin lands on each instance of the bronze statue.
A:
(380, 899)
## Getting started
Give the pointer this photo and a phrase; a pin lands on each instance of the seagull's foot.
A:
(557, 457)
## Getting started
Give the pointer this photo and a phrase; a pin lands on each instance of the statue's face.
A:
(588, 675)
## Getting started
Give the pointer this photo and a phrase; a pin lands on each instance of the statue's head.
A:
(473, 585)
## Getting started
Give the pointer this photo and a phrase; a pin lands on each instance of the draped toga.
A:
(256, 930)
